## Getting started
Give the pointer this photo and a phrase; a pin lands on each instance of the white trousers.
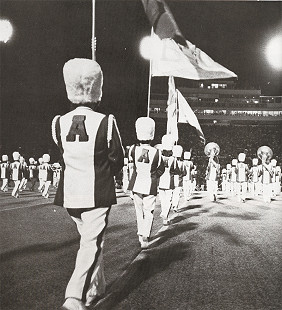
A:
(187, 189)
(144, 207)
(23, 184)
(212, 188)
(176, 197)
(46, 185)
(15, 191)
(242, 190)
(254, 188)
(41, 184)
(88, 280)
(267, 192)
(165, 198)
(4, 186)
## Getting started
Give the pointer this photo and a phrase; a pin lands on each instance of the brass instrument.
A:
(212, 149)
(264, 153)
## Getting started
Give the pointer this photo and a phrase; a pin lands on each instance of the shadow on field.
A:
(147, 265)
(249, 216)
(35, 248)
(228, 236)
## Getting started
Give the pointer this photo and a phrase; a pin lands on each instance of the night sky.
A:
(48, 33)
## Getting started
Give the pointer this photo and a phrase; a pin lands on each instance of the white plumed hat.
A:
(242, 157)
(84, 80)
(167, 142)
(177, 150)
(46, 158)
(16, 155)
(255, 161)
(228, 166)
(273, 162)
(145, 128)
(4, 157)
(187, 155)
(40, 160)
(234, 162)
(31, 160)
(224, 170)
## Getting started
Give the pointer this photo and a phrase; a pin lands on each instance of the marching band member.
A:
(16, 174)
(5, 173)
(188, 178)
(148, 167)
(92, 154)
(233, 176)
(33, 173)
(40, 174)
(56, 167)
(125, 175)
(179, 172)
(266, 172)
(224, 180)
(254, 178)
(213, 169)
(194, 179)
(24, 174)
(166, 183)
(275, 178)
(242, 177)
(228, 176)
(47, 174)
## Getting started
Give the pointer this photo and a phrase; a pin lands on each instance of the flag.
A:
(172, 110)
(162, 20)
(186, 115)
(188, 62)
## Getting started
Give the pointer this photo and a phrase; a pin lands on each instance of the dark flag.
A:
(162, 20)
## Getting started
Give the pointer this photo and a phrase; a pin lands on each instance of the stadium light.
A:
(6, 30)
(274, 52)
(150, 47)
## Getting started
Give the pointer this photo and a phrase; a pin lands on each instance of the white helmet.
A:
(46, 158)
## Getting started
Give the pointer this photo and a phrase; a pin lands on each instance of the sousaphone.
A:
(212, 149)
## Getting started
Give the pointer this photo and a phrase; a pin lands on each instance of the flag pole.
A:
(150, 80)
(93, 39)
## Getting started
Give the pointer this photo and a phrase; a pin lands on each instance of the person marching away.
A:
(56, 167)
(188, 178)
(24, 174)
(228, 177)
(47, 174)
(166, 183)
(224, 180)
(148, 166)
(233, 177)
(33, 173)
(266, 172)
(213, 170)
(275, 178)
(254, 178)
(242, 177)
(92, 154)
(40, 174)
(5, 173)
(194, 174)
(16, 174)
(179, 172)
(125, 175)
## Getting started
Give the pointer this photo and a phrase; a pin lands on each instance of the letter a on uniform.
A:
(77, 128)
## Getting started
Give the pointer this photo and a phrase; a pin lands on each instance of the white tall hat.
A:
(255, 161)
(40, 160)
(46, 158)
(234, 162)
(167, 142)
(16, 155)
(4, 157)
(84, 80)
(22, 160)
(56, 165)
(242, 157)
(125, 161)
(228, 166)
(224, 170)
(145, 128)
(177, 150)
(187, 155)
(273, 162)
(31, 160)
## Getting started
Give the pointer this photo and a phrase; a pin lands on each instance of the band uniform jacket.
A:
(92, 154)
(242, 171)
(148, 166)
(5, 169)
(167, 178)
(16, 171)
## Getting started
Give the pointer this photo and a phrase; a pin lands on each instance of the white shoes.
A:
(73, 304)
(144, 242)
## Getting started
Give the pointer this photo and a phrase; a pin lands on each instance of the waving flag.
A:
(178, 57)
(186, 115)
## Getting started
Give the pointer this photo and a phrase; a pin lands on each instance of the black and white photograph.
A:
(140, 155)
